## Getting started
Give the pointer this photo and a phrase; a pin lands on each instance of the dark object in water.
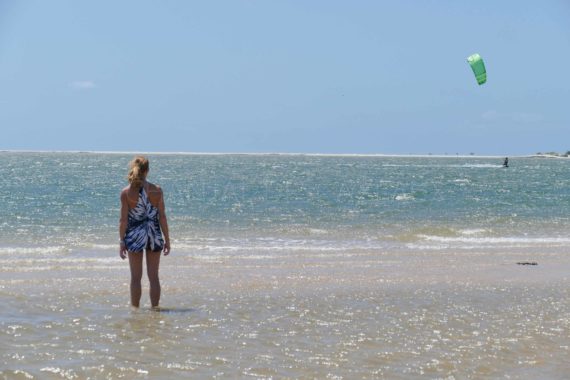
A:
(506, 162)
(527, 263)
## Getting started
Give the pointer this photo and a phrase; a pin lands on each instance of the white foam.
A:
(104, 246)
(55, 261)
(277, 248)
(498, 240)
(33, 250)
(481, 166)
(474, 231)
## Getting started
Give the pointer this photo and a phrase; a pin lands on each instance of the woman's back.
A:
(153, 192)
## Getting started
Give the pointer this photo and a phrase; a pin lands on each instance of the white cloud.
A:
(82, 85)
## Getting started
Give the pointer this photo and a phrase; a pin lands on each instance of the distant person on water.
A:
(143, 227)
(506, 162)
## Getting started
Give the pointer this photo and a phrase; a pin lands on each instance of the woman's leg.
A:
(152, 263)
(136, 264)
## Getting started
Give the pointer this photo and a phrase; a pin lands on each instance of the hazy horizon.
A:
(348, 154)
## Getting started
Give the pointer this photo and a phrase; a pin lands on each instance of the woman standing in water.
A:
(142, 225)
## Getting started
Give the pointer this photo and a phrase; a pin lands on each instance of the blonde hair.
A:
(138, 168)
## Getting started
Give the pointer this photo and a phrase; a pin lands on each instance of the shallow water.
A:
(407, 276)
(363, 315)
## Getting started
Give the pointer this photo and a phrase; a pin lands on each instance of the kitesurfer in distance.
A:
(506, 162)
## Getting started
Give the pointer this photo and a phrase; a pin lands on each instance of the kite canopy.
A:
(478, 67)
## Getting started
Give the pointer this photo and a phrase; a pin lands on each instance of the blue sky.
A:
(285, 76)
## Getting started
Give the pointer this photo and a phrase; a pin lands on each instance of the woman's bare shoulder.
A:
(125, 195)
(154, 188)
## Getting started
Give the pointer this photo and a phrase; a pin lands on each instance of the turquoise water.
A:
(289, 266)
(72, 200)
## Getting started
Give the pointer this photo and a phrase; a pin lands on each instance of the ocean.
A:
(290, 266)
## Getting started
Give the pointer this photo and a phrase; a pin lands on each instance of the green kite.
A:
(476, 63)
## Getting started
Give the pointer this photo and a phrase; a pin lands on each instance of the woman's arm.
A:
(123, 224)
(163, 223)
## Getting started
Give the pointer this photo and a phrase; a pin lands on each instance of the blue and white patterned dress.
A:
(143, 227)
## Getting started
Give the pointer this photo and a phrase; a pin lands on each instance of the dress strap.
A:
(144, 195)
